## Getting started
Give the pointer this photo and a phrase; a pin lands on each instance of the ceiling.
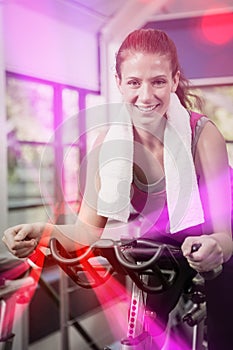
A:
(94, 15)
(103, 11)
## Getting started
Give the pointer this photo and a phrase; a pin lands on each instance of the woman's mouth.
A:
(146, 109)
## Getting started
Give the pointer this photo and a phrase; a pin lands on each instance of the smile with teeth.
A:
(146, 108)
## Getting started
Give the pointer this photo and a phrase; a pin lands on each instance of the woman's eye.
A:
(133, 83)
(158, 82)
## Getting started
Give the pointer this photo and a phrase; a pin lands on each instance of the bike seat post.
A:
(196, 316)
(136, 335)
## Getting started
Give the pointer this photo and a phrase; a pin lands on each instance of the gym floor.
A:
(97, 327)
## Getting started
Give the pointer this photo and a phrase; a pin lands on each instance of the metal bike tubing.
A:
(136, 335)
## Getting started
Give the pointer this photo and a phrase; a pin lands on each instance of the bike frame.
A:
(138, 259)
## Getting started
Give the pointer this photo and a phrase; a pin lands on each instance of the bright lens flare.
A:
(218, 29)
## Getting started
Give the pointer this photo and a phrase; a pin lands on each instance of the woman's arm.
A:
(21, 240)
(212, 169)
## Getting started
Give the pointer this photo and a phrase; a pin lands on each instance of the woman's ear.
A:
(118, 82)
(176, 80)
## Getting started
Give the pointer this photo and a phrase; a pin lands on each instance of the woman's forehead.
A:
(142, 60)
(132, 55)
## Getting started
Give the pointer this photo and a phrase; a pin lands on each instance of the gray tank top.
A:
(159, 186)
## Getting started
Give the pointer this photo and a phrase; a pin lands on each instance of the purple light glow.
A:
(112, 290)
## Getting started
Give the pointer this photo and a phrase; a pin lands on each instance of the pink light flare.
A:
(172, 340)
(117, 320)
(108, 294)
(218, 29)
(20, 284)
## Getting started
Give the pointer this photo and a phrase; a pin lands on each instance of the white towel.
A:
(183, 198)
(116, 169)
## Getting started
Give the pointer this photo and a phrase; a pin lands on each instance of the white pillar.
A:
(3, 134)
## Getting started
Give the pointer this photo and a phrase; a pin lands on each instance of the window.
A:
(44, 148)
(218, 106)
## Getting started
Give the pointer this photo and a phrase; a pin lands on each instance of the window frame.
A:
(57, 144)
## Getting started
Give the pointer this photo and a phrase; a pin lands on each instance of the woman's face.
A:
(146, 83)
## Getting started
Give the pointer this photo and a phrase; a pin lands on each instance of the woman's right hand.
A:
(21, 240)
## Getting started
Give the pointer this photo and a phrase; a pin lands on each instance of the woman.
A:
(154, 90)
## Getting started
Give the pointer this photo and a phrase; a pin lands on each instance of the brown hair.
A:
(157, 41)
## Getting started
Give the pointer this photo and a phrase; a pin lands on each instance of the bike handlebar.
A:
(153, 249)
(76, 266)
(88, 252)
(133, 257)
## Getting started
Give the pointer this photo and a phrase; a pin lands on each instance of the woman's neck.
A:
(151, 135)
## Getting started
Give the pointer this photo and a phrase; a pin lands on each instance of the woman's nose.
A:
(146, 93)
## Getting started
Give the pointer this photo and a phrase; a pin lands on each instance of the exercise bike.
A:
(153, 268)
(16, 289)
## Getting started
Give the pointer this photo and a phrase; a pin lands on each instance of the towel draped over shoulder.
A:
(116, 169)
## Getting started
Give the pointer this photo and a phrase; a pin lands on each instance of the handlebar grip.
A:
(67, 260)
(95, 274)
(154, 254)
(131, 265)
(36, 259)
(207, 275)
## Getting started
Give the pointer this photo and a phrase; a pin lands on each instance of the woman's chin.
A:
(146, 118)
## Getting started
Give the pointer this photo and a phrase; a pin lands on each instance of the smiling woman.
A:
(176, 177)
(146, 82)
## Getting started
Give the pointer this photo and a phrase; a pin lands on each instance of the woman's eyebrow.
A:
(133, 77)
(159, 76)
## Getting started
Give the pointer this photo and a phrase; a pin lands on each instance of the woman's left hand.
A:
(209, 255)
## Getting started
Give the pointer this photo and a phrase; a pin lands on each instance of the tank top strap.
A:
(197, 123)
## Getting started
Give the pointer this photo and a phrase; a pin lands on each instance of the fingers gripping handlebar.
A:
(208, 275)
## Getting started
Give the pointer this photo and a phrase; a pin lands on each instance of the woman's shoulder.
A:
(197, 123)
(209, 146)
(197, 120)
(205, 134)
